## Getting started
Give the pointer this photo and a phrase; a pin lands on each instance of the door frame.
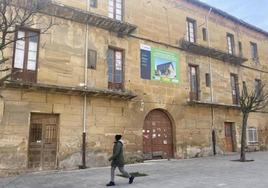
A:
(58, 137)
(173, 129)
(233, 135)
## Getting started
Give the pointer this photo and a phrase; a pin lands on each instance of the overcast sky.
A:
(254, 12)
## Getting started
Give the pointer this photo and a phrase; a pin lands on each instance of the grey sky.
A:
(254, 12)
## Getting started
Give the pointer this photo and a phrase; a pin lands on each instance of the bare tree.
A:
(15, 14)
(253, 101)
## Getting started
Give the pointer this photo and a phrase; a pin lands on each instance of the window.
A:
(194, 86)
(254, 51)
(94, 3)
(240, 49)
(230, 43)
(234, 87)
(116, 9)
(208, 81)
(191, 30)
(92, 59)
(204, 31)
(257, 87)
(25, 55)
(252, 136)
(115, 69)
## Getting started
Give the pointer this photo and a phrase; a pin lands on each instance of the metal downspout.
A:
(83, 166)
(211, 89)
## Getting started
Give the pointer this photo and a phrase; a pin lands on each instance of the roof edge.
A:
(228, 16)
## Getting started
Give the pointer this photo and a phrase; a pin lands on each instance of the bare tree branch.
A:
(17, 14)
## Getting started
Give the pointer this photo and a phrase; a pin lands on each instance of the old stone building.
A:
(165, 73)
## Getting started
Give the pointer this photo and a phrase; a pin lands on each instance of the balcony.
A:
(81, 16)
(213, 104)
(123, 95)
(211, 52)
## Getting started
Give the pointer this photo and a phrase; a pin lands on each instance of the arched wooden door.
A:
(157, 136)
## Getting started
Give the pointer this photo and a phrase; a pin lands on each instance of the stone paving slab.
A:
(209, 172)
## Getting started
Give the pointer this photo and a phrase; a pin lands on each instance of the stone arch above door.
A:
(157, 135)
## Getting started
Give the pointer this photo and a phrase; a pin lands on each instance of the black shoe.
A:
(131, 179)
(111, 183)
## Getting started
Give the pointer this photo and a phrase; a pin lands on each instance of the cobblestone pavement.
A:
(208, 172)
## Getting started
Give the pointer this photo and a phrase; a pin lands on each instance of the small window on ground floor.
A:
(252, 136)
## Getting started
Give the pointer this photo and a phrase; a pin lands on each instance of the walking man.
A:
(118, 161)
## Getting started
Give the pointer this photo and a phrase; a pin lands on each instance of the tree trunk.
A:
(243, 138)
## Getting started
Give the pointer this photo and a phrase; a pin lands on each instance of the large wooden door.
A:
(229, 137)
(43, 141)
(157, 136)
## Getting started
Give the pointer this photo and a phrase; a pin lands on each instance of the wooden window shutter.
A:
(92, 59)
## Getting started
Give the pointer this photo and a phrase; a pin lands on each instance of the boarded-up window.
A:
(204, 32)
(208, 81)
(240, 49)
(254, 50)
(92, 59)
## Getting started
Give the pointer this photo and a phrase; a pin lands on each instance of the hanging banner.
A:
(145, 62)
(158, 64)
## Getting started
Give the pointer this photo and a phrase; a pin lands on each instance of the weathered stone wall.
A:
(161, 24)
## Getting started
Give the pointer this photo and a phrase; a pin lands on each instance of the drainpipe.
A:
(83, 166)
(213, 132)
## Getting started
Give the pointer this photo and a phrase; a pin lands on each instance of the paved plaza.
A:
(208, 172)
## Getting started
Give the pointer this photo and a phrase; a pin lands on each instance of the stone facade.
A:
(160, 24)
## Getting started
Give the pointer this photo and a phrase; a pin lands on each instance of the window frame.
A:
(205, 34)
(254, 136)
(257, 85)
(194, 95)
(26, 51)
(114, 10)
(89, 64)
(93, 3)
(230, 44)
(254, 51)
(208, 79)
(192, 21)
(234, 87)
(240, 49)
(113, 84)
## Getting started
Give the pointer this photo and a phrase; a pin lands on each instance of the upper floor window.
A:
(240, 48)
(252, 136)
(204, 32)
(254, 50)
(191, 30)
(235, 88)
(115, 69)
(116, 9)
(194, 86)
(230, 43)
(92, 59)
(25, 55)
(257, 86)
(94, 3)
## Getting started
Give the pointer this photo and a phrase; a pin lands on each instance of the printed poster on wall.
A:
(158, 64)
